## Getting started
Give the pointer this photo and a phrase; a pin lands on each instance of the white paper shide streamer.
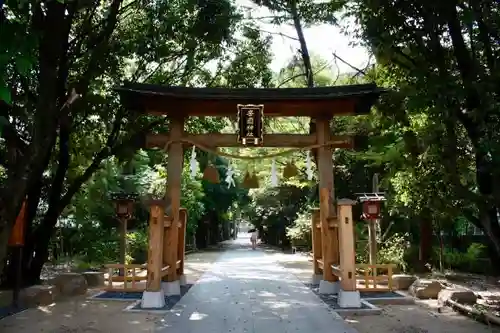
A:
(274, 174)
(229, 176)
(309, 166)
(193, 163)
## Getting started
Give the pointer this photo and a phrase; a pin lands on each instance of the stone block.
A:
(71, 284)
(461, 296)
(403, 281)
(491, 300)
(94, 279)
(38, 295)
(425, 289)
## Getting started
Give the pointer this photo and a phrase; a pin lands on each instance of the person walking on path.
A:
(253, 238)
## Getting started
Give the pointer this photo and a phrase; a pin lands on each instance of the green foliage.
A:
(300, 231)
(433, 138)
(137, 242)
(435, 129)
(393, 249)
(94, 48)
(473, 260)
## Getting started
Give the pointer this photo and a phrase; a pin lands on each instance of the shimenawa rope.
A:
(222, 154)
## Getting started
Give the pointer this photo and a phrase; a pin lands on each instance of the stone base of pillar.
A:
(349, 299)
(327, 287)
(183, 280)
(153, 299)
(316, 278)
(171, 288)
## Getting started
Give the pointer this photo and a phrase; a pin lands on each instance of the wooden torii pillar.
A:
(337, 249)
(329, 235)
(171, 284)
(166, 233)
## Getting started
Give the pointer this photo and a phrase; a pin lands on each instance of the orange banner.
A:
(17, 233)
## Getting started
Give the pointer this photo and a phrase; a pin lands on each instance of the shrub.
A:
(137, 242)
(473, 260)
(392, 251)
(300, 231)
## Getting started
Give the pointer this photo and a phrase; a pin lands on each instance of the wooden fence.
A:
(375, 277)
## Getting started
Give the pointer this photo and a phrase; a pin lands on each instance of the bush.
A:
(393, 250)
(411, 256)
(137, 242)
(299, 232)
(474, 260)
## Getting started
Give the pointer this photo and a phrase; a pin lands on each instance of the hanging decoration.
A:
(309, 166)
(274, 175)
(255, 181)
(250, 120)
(250, 180)
(229, 176)
(193, 163)
(290, 170)
(211, 174)
(247, 180)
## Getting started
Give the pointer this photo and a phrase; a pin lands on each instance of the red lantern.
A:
(124, 207)
(17, 234)
(371, 209)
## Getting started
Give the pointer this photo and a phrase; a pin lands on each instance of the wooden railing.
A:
(320, 263)
(134, 274)
(374, 281)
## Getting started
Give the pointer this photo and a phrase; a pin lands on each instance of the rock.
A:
(71, 284)
(491, 300)
(462, 296)
(38, 295)
(94, 279)
(425, 289)
(402, 281)
(458, 277)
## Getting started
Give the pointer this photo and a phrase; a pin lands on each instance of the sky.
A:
(323, 40)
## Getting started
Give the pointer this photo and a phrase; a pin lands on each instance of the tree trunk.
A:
(30, 168)
(306, 59)
(487, 210)
(425, 251)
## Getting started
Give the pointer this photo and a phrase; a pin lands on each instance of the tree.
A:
(442, 56)
(61, 119)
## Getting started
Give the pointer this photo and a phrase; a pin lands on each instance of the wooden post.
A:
(347, 250)
(316, 239)
(174, 175)
(155, 253)
(165, 248)
(372, 240)
(181, 244)
(372, 231)
(123, 245)
(325, 167)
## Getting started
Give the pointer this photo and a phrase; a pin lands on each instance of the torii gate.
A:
(320, 104)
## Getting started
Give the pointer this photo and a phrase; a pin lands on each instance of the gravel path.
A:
(79, 314)
(421, 317)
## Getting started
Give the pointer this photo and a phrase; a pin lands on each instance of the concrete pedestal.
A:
(153, 299)
(316, 278)
(327, 287)
(349, 299)
(171, 288)
(183, 280)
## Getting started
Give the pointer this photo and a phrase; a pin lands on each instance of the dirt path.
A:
(80, 314)
(421, 317)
